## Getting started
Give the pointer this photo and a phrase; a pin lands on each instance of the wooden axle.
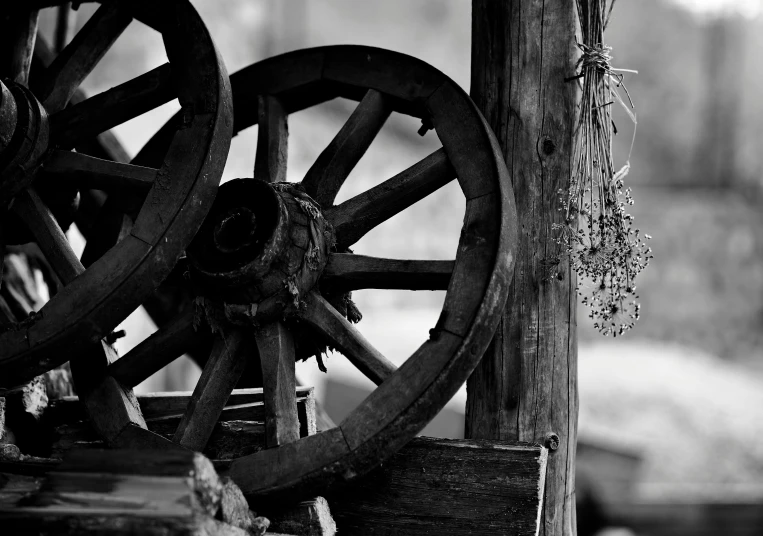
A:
(260, 251)
(24, 135)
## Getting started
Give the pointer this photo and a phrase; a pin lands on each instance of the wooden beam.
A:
(446, 486)
(525, 388)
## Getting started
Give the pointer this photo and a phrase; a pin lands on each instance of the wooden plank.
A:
(319, 314)
(327, 174)
(240, 430)
(90, 117)
(442, 486)
(229, 439)
(157, 351)
(219, 377)
(272, 140)
(51, 239)
(162, 405)
(78, 59)
(525, 388)
(88, 172)
(347, 271)
(276, 348)
(357, 216)
(125, 492)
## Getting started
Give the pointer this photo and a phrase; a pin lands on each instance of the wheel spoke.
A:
(357, 216)
(335, 163)
(78, 59)
(51, 239)
(156, 352)
(219, 377)
(272, 140)
(101, 112)
(345, 338)
(346, 272)
(105, 145)
(21, 31)
(276, 348)
(87, 172)
(66, 21)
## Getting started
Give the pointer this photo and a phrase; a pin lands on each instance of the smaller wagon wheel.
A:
(271, 261)
(39, 131)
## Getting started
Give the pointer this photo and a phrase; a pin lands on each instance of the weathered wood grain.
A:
(88, 172)
(90, 117)
(272, 140)
(327, 174)
(347, 271)
(276, 348)
(525, 388)
(219, 377)
(441, 486)
(358, 215)
(319, 314)
(78, 59)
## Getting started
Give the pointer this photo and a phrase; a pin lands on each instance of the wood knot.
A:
(548, 146)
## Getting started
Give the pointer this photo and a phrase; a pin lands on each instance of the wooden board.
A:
(123, 492)
(246, 403)
(442, 486)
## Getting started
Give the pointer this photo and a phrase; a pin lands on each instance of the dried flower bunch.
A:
(604, 248)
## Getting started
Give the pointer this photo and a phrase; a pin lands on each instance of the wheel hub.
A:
(24, 135)
(262, 247)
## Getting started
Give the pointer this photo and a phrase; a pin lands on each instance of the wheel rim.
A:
(176, 193)
(477, 286)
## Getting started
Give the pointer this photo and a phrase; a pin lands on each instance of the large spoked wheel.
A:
(272, 258)
(170, 199)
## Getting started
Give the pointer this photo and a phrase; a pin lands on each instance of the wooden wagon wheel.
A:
(269, 252)
(174, 196)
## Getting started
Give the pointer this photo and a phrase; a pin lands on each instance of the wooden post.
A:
(525, 388)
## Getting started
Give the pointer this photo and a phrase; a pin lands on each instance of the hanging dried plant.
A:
(604, 248)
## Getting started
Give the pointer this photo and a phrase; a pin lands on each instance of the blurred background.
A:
(670, 413)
